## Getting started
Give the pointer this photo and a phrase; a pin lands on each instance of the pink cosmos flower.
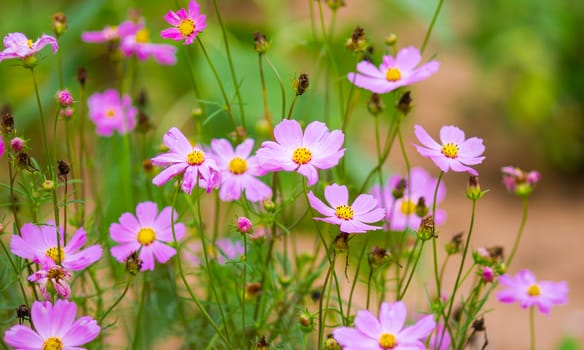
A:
(110, 113)
(455, 152)
(386, 333)
(239, 171)
(64, 98)
(244, 225)
(38, 243)
(393, 72)
(350, 218)
(17, 145)
(518, 181)
(147, 232)
(57, 276)
(401, 212)
(139, 43)
(524, 289)
(186, 23)
(316, 149)
(184, 158)
(19, 46)
(54, 328)
(440, 339)
(110, 33)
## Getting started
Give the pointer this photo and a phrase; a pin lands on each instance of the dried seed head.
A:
(261, 44)
(404, 104)
(59, 23)
(301, 84)
(82, 76)
(63, 168)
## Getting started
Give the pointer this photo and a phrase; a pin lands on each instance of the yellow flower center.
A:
(53, 253)
(143, 36)
(53, 343)
(344, 212)
(237, 166)
(407, 207)
(146, 235)
(450, 150)
(301, 156)
(196, 157)
(29, 43)
(186, 27)
(110, 113)
(393, 74)
(533, 290)
(387, 341)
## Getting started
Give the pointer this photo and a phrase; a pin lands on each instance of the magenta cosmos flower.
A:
(55, 327)
(184, 158)
(239, 171)
(186, 23)
(453, 152)
(393, 72)
(401, 212)
(316, 149)
(350, 218)
(146, 233)
(110, 113)
(110, 33)
(524, 288)
(57, 276)
(17, 45)
(139, 44)
(38, 243)
(386, 333)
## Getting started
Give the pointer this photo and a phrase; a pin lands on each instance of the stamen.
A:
(450, 150)
(387, 341)
(301, 155)
(186, 27)
(344, 212)
(393, 74)
(146, 236)
(196, 157)
(237, 166)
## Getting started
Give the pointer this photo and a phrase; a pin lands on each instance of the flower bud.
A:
(331, 343)
(59, 23)
(391, 39)
(48, 185)
(261, 44)
(358, 40)
(252, 290)
(284, 280)
(421, 209)
(301, 84)
(375, 105)
(335, 4)
(269, 206)
(400, 187)
(63, 168)
(133, 263)
(17, 144)
(67, 112)
(487, 274)
(473, 190)
(426, 229)
(243, 225)
(7, 122)
(341, 244)
(455, 244)
(262, 344)
(378, 257)
(82, 76)
(306, 321)
(519, 182)
(404, 104)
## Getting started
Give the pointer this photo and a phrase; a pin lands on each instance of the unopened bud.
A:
(341, 244)
(473, 190)
(252, 290)
(421, 208)
(426, 229)
(262, 344)
(301, 84)
(404, 104)
(358, 41)
(63, 168)
(261, 44)
(375, 105)
(7, 122)
(399, 189)
(331, 343)
(378, 257)
(391, 39)
(133, 263)
(487, 274)
(306, 321)
(17, 144)
(48, 185)
(335, 4)
(455, 244)
(269, 206)
(59, 23)
(82, 76)
(243, 225)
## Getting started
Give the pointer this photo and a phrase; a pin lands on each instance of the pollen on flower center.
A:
(56, 273)
(393, 74)
(53, 343)
(143, 36)
(450, 150)
(196, 157)
(407, 207)
(387, 341)
(110, 113)
(146, 236)
(53, 253)
(301, 156)
(29, 43)
(344, 212)
(186, 27)
(533, 290)
(237, 166)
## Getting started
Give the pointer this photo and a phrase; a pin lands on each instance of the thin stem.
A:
(409, 280)
(292, 107)
(434, 244)
(227, 106)
(138, 321)
(116, 302)
(13, 197)
(282, 89)
(532, 327)
(519, 232)
(81, 165)
(9, 256)
(230, 60)
(369, 278)
(354, 283)
(431, 27)
(243, 287)
(193, 80)
(267, 114)
(321, 314)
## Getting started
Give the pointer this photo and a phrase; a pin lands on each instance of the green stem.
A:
(280, 83)
(434, 244)
(9, 256)
(227, 106)
(409, 280)
(321, 313)
(231, 67)
(519, 232)
(138, 321)
(431, 27)
(292, 107)
(243, 287)
(354, 283)
(369, 278)
(267, 114)
(115, 303)
(532, 327)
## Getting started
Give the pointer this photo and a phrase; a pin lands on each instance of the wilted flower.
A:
(292, 150)
(351, 218)
(455, 151)
(54, 327)
(386, 333)
(109, 112)
(186, 23)
(38, 243)
(525, 289)
(393, 72)
(184, 158)
(146, 233)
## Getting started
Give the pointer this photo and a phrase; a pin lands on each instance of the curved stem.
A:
(282, 89)
(431, 27)
(115, 303)
(519, 232)
(267, 114)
